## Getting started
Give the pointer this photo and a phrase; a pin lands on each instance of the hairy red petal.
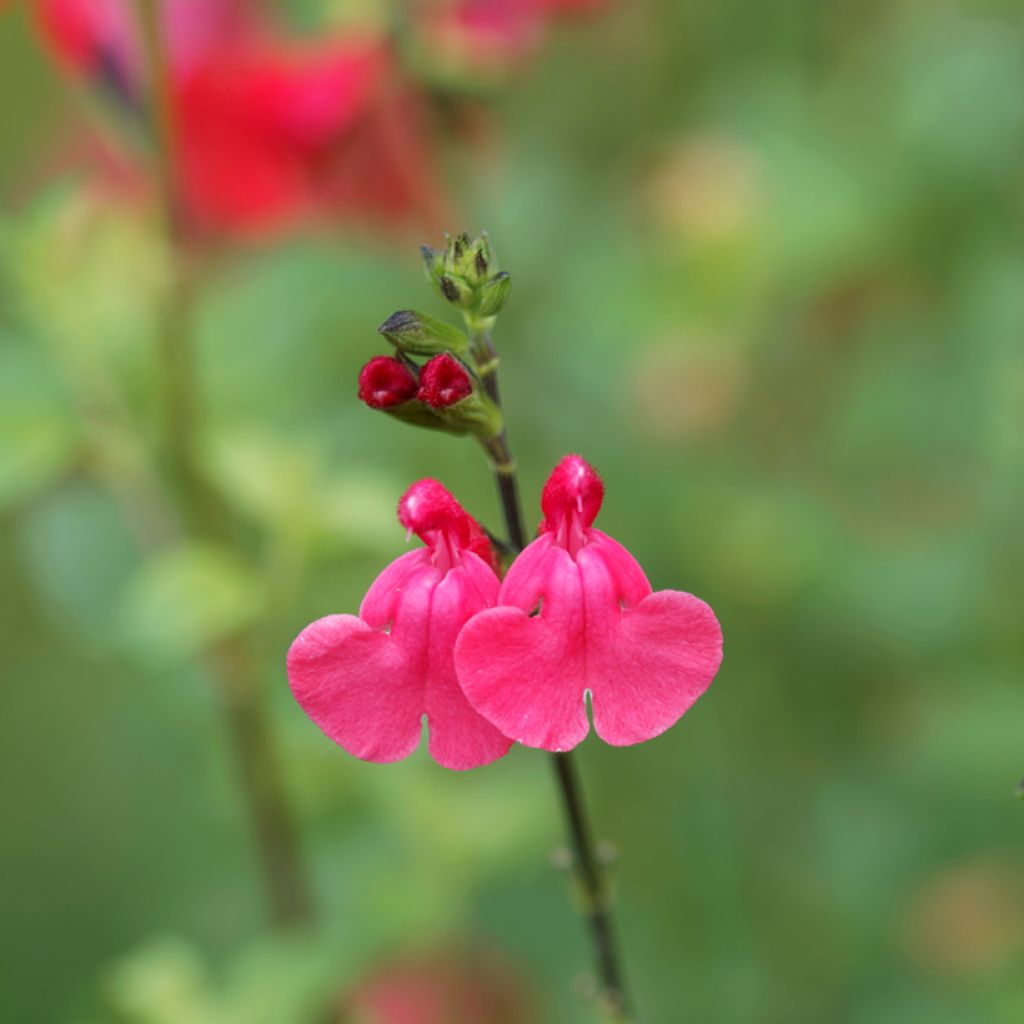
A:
(385, 382)
(430, 511)
(444, 381)
(573, 493)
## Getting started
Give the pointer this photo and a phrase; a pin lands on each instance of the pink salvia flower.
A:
(368, 682)
(643, 657)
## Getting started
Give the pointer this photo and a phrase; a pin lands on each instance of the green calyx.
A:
(476, 414)
(416, 414)
(418, 334)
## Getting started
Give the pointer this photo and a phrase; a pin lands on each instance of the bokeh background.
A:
(768, 277)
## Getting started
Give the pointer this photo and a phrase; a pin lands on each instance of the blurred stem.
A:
(592, 886)
(175, 314)
(230, 662)
(287, 888)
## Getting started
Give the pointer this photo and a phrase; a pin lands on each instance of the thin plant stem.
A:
(230, 661)
(594, 893)
(498, 450)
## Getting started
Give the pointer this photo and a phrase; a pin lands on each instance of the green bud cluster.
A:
(464, 273)
(441, 376)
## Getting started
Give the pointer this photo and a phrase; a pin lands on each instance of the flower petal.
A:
(357, 685)
(378, 606)
(523, 675)
(652, 669)
(644, 665)
(460, 737)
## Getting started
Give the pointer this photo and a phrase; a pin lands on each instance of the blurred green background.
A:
(769, 278)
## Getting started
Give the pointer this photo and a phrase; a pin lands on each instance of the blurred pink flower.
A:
(643, 657)
(491, 37)
(87, 34)
(367, 682)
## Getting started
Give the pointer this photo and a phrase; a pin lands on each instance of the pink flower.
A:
(367, 682)
(643, 657)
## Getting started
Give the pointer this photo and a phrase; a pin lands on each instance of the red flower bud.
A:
(429, 510)
(385, 382)
(444, 381)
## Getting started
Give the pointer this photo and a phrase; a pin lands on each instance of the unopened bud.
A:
(385, 382)
(443, 382)
(448, 388)
(480, 263)
(463, 270)
(455, 290)
(494, 295)
(422, 335)
(433, 261)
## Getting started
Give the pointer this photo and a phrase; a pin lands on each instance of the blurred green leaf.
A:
(188, 597)
(288, 485)
(86, 275)
(165, 982)
(38, 433)
(79, 554)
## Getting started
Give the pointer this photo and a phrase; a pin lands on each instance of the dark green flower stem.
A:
(593, 890)
(230, 662)
(595, 896)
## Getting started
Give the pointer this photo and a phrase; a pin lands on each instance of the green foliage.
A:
(38, 433)
(189, 597)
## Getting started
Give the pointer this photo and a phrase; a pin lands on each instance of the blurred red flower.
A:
(269, 130)
(472, 988)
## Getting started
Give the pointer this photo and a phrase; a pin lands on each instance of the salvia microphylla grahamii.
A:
(437, 636)
(488, 662)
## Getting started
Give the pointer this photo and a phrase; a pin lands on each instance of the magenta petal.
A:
(356, 685)
(459, 737)
(662, 658)
(368, 682)
(381, 600)
(521, 674)
(644, 658)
